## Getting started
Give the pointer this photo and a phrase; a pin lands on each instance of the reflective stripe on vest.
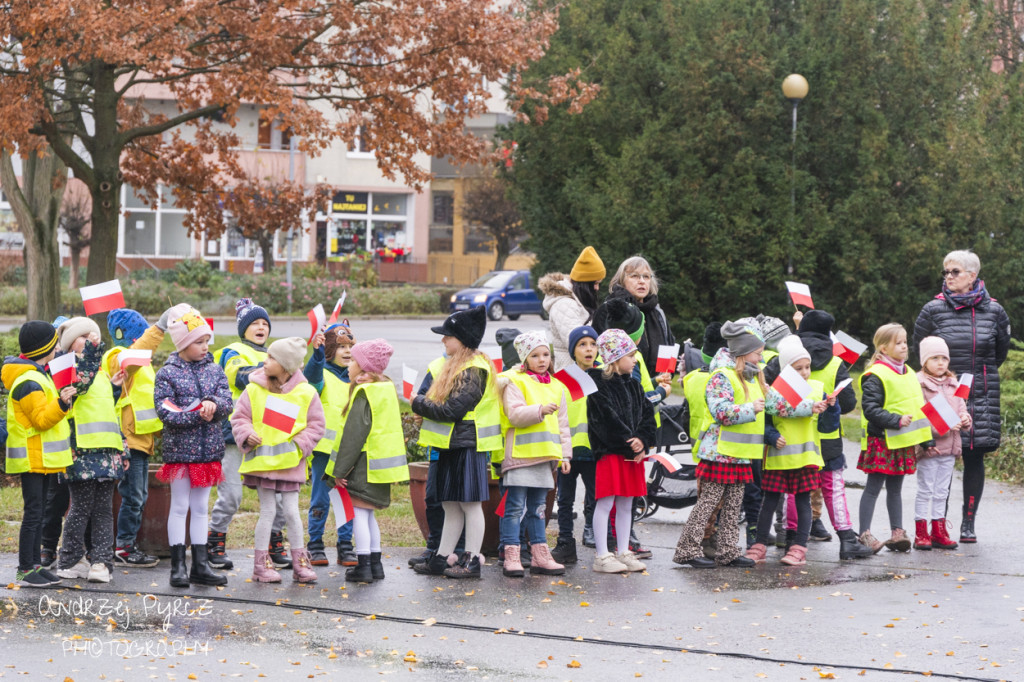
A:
(486, 416)
(385, 444)
(827, 376)
(95, 417)
(803, 444)
(742, 441)
(543, 439)
(55, 441)
(695, 386)
(137, 394)
(277, 451)
(248, 357)
(648, 386)
(902, 396)
(334, 396)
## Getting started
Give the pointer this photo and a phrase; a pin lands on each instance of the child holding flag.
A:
(892, 425)
(935, 464)
(371, 454)
(277, 422)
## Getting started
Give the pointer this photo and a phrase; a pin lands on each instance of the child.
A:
(239, 360)
(38, 443)
(371, 455)
(892, 424)
(735, 396)
(537, 438)
(193, 443)
(274, 453)
(98, 456)
(621, 425)
(935, 464)
(332, 351)
(462, 419)
(791, 464)
(583, 350)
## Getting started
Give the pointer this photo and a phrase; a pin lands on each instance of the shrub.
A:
(196, 273)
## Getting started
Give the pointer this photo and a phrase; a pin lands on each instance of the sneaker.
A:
(565, 552)
(639, 550)
(98, 573)
(133, 556)
(47, 557)
(607, 563)
(630, 561)
(871, 542)
(588, 536)
(32, 578)
(52, 577)
(317, 555)
(818, 532)
(79, 571)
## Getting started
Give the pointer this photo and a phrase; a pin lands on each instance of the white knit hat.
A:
(791, 349)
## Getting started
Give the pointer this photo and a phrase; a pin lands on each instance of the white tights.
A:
(268, 509)
(623, 522)
(365, 531)
(185, 498)
(457, 515)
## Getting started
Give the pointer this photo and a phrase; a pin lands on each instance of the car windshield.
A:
(493, 280)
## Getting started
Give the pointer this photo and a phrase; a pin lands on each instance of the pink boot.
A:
(542, 563)
(796, 556)
(263, 568)
(512, 567)
(302, 566)
(757, 553)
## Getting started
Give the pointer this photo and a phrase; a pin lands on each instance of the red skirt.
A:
(790, 481)
(616, 475)
(723, 473)
(200, 475)
(878, 459)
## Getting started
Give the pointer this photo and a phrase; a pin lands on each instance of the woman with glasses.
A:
(635, 282)
(977, 331)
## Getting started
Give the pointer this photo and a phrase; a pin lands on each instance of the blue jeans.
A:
(134, 490)
(320, 503)
(533, 500)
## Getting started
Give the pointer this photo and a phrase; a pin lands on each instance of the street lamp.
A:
(795, 89)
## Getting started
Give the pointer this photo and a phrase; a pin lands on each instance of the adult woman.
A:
(570, 301)
(635, 282)
(977, 331)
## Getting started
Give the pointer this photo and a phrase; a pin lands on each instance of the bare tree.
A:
(488, 204)
(76, 223)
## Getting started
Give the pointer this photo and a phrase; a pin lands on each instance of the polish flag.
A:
(191, 407)
(409, 376)
(500, 509)
(99, 298)
(800, 294)
(963, 389)
(839, 387)
(280, 414)
(792, 386)
(667, 358)
(341, 503)
(62, 369)
(337, 307)
(135, 358)
(317, 320)
(578, 382)
(670, 463)
(940, 413)
(846, 347)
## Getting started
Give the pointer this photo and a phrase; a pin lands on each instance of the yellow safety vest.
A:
(277, 451)
(767, 356)
(803, 443)
(247, 357)
(56, 441)
(486, 416)
(742, 441)
(827, 376)
(543, 439)
(385, 446)
(96, 424)
(902, 396)
(139, 399)
(648, 386)
(695, 386)
(334, 397)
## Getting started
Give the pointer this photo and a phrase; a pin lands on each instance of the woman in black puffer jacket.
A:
(977, 331)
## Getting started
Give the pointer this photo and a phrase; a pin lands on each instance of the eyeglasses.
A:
(955, 272)
(637, 275)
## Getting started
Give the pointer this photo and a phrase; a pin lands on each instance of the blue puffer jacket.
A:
(187, 437)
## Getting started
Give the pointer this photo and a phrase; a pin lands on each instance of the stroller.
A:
(664, 489)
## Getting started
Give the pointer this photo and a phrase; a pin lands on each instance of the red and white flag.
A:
(963, 389)
(667, 461)
(578, 382)
(134, 358)
(940, 413)
(99, 298)
(846, 347)
(839, 387)
(337, 307)
(62, 369)
(800, 294)
(341, 503)
(209, 323)
(191, 407)
(409, 376)
(280, 414)
(791, 386)
(317, 320)
(667, 358)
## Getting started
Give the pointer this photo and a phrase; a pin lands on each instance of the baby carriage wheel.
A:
(642, 508)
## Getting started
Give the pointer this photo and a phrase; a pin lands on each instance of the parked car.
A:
(501, 292)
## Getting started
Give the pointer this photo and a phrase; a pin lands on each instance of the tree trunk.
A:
(76, 255)
(267, 249)
(501, 247)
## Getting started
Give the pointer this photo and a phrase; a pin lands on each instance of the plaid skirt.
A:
(790, 481)
(723, 473)
(878, 459)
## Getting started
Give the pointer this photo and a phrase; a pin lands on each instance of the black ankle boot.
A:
(967, 534)
(277, 551)
(376, 566)
(216, 544)
(360, 573)
(467, 567)
(347, 553)
(850, 546)
(179, 571)
(435, 566)
(201, 573)
(421, 558)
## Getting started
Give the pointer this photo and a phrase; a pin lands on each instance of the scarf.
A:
(544, 378)
(967, 299)
(898, 365)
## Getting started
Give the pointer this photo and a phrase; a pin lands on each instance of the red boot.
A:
(921, 538)
(940, 538)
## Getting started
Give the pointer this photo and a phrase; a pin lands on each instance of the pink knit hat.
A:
(188, 329)
(932, 346)
(373, 355)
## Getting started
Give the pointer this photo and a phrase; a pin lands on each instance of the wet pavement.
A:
(953, 614)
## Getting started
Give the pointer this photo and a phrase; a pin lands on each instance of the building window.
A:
(377, 222)
(273, 135)
(358, 148)
(154, 232)
(442, 223)
(478, 240)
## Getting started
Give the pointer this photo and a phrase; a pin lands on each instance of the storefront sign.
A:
(350, 202)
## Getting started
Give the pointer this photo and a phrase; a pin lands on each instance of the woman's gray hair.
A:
(966, 259)
(629, 266)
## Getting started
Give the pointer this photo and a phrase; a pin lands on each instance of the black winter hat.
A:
(505, 338)
(816, 322)
(713, 341)
(466, 325)
(36, 339)
(617, 313)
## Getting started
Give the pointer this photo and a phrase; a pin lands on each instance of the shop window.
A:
(389, 241)
(390, 204)
(139, 233)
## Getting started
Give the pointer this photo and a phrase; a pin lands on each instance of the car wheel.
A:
(496, 311)
(513, 317)
(544, 315)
